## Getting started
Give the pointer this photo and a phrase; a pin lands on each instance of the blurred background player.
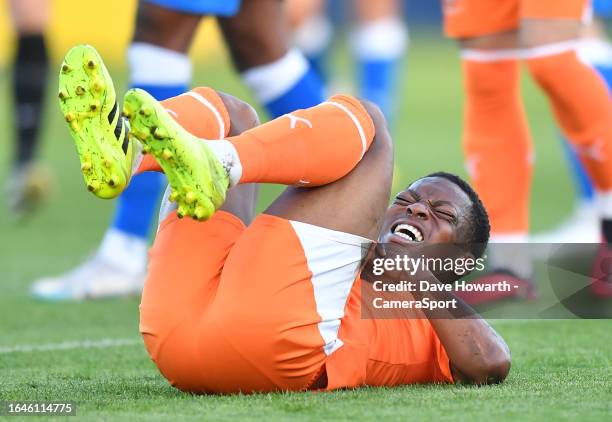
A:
(494, 38)
(377, 40)
(280, 79)
(583, 224)
(27, 180)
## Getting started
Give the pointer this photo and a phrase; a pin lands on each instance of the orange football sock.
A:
(310, 147)
(583, 109)
(200, 111)
(497, 143)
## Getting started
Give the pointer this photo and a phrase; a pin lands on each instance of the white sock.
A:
(383, 39)
(124, 251)
(149, 65)
(510, 251)
(271, 81)
(603, 202)
(314, 36)
(595, 52)
(153, 65)
(227, 154)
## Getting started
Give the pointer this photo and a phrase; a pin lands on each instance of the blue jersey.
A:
(201, 7)
(602, 8)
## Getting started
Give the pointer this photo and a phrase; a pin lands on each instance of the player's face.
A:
(430, 210)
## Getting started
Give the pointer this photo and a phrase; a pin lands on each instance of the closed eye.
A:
(448, 215)
(403, 201)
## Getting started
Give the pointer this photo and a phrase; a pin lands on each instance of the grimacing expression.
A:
(432, 210)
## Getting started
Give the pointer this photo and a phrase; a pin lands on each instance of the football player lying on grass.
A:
(241, 303)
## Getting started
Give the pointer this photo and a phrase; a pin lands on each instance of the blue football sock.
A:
(584, 187)
(306, 92)
(137, 205)
(377, 83)
(378, 47)
(318, 63)
(163, 73)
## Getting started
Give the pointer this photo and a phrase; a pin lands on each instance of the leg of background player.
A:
(313, 32)
(583, 110)
(583, 224)
(378, 42)
(258, 38)
(27, 184)
(158, 64)
(493, 100)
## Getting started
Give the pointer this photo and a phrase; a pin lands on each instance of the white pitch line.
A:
(107, 343)
(493, 321)
(68, 345)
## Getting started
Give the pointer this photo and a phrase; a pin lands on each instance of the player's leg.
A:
(378, 42)
(27, 184)
(495, 125)
(301, 277)
(281, 78)
(583, 224)
(158, 64)
(551, 41)
(185, 265)
(187, 257)
(366, 189)
(120, 262)
(313, 31)
(310, 147)
(276, 315)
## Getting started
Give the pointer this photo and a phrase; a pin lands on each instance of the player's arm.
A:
(476, 352)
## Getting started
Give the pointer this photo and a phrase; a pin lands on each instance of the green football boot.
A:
(88, 102)
(198, 179)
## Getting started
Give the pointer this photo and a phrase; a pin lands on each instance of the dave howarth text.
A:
(426, 286)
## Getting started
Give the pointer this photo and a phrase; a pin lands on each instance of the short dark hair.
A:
(479, 226)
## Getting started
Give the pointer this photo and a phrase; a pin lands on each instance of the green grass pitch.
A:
(561, 369)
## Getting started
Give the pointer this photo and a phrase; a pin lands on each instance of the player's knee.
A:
(382, 140)
(251, 49)
(256, 35)
(243, 116)
(164, 28)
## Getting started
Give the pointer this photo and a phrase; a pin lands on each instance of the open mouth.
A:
(408, 232)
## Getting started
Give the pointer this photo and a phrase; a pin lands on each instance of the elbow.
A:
(493, 369)
(486, 370)
(497, 370)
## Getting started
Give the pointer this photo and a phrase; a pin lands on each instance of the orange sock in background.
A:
(583, 109)
(309, 147)
(201, 112)
(497, 143)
